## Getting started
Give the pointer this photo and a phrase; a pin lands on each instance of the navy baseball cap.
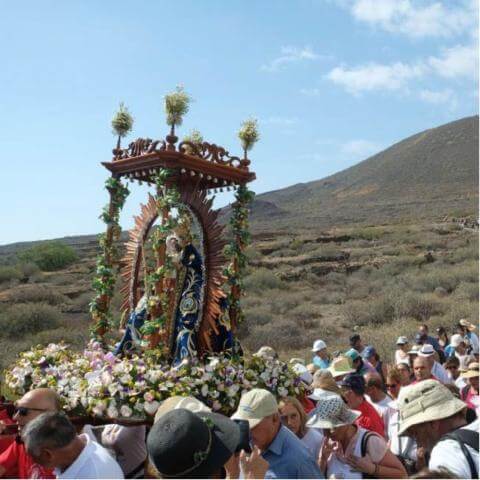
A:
(354, 382)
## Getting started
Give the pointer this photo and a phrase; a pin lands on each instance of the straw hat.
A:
(175, 402)
(266, 352)
(472, 371)
(323, 380)
(466, 324)
(331, 412)
(340, 366)
(426, 401)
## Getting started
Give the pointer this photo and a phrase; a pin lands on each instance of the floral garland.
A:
(101, 384)
(167, 198)
(235, 271)
(104, 281)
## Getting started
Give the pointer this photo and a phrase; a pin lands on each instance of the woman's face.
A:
(334, 434)
(291, 418)
(393, 387)
(405, 372)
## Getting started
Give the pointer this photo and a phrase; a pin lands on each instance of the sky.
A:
(331, 82)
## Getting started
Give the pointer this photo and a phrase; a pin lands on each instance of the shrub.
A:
(37, 293)
(28, 269)
(27, 318)
(8, 273)
(262, 279)
(49, 256)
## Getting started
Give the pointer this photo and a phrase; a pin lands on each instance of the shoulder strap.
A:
(466, 437)
(363, 448)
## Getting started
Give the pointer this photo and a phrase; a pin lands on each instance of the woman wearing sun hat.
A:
(349, 451)
(470, 394)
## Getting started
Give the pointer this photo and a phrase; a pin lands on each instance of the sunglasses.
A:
(391, 385)
(24, 411)
(451, 367)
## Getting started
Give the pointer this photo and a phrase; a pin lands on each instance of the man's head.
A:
(34, 403)
(452, 366)
(374, 387)
(320, 348)
(260, 409)
(402, 343)
(422, 368)
(355, 358)
(428, 352)
(353, 389)
(356, 342)
(423, 330)
(47, 438)
(428, 410)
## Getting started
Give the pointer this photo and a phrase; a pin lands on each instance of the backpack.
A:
(465, 437)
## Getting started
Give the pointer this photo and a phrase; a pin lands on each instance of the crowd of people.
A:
(360, 416)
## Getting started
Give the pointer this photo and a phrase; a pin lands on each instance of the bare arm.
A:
(390, 467)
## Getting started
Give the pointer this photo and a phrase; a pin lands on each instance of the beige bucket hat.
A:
(331, 412)
(471, 371)
(426, 401)
(340, 366)
(172, 403)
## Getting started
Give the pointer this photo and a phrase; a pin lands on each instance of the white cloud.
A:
(416, 19)
(360, 148)
(290, 55)
(310, 92)
(439, 97)
(375, 76)
(457, 61)
(283, 121)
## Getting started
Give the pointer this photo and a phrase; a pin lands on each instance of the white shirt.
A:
(460, 382)
(448, 454)
(440, 373)
(93, 462)
(313, 441)
(404, 446)
(401, 356)
(384, 409)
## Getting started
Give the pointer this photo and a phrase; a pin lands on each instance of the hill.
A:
(425, 177)
(377, 248)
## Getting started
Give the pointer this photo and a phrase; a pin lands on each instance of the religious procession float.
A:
(181, 286)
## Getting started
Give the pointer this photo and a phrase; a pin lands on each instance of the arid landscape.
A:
(378, 248)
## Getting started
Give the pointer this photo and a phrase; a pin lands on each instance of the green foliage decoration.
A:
(249, 134)
(177, 105)
(122, 121)
(104, 280)
(236, 248)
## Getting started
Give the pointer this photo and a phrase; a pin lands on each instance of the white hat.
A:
(303, 373)
(318, 345)
(456, 340)
(255, 405)
(426, 401)
(426, 350)
(331, 412)
(266, 352)
(402, 340)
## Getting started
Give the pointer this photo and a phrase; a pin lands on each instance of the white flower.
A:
(125, 411)
(204, 390)
(151, 407)
(112, 411)
(283, 392)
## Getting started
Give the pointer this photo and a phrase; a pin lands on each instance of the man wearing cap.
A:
(353, 391)
(427, 351)
(320, 355)
(285, 453)
(435, 418)
(356, 343)
(360, 365)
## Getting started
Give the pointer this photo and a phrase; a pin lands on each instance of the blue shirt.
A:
(289, 458)
(320, 362)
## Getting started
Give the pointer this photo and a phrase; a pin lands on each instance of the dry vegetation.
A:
(376, 280)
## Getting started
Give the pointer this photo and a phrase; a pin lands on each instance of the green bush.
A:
(262, 279)
(8, 273)
(49, 256)
(27, 318)
(37, 293)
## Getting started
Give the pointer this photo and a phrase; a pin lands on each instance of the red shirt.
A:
(307, 404)
(370, 419)
(5, 440)
(15, 459)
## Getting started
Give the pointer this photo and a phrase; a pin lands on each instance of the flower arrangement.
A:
(248, 134)
(97, 383)
(122, 123)
(177, 105)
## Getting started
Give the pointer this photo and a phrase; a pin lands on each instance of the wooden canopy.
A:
(206, 166)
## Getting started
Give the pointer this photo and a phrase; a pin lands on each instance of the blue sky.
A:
(330, 81)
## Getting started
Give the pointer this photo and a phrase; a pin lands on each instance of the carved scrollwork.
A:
(141, 146)
(209, 151)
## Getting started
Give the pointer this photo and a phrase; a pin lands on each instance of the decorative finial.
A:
(248, 135)
(122, 123)
(177, 105)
